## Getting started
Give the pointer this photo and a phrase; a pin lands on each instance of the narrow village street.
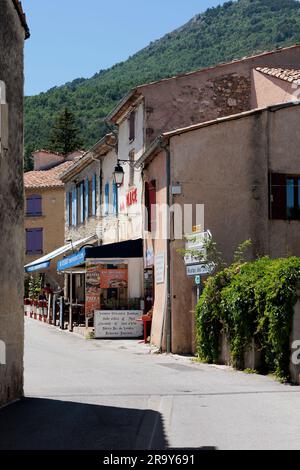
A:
(116, 395)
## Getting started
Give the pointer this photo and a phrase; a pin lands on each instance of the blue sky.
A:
(75, 38)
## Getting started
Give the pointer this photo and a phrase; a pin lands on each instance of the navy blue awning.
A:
(121, 250)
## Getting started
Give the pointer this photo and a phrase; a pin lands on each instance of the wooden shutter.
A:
(68, 209)
(34, 206)
(94, 195)
(278, 196)
(147, 207)
(115, 198)
(82, 202)
(132, 126)
(34, 241)
(106, 202)
(86, 198)
(152, 205)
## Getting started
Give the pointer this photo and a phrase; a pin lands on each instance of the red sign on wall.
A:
(131, 197)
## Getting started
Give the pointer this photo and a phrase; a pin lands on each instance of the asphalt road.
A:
(115, 395)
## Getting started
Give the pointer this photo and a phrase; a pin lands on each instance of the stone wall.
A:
(11, 207)
(210, 93)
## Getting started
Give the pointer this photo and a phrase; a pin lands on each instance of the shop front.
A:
(105, 284)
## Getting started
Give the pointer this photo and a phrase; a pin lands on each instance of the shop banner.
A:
(92, 289)
(113, 278)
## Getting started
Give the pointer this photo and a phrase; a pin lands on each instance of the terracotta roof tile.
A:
(288, 75)
(22, 16)
(47, 178)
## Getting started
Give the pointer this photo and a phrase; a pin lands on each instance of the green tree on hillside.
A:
(65, 136)
(28, 160)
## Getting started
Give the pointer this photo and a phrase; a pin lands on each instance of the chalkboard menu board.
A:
(118, 324)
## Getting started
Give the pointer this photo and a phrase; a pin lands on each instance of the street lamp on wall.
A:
(119, 175)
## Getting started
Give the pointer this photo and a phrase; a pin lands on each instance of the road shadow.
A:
(40, 424)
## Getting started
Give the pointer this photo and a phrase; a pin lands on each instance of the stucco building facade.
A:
(45, 218)
(245, 170)
(188, 100)
(13, 32)
(107, 215)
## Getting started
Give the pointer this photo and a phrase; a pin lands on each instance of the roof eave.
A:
(122, 106)
(88, 158)
(22, 16)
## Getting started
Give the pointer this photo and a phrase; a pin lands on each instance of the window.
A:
(74, 207)
(78, 198)
(87, 192)
(90, 199)
(34, 206)
(150, 203)
(82, 202)
(69, 208)
(94, 195)
(131, 168)
(34, 241)
(284, 197)
(132, 126)
(115, 198)
(106, 199)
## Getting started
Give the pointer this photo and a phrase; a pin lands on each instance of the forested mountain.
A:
(234, 30)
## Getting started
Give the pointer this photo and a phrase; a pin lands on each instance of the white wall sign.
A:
(160, 268)
(2, 353)
(118, 324)
(199, 269)
(196, 243)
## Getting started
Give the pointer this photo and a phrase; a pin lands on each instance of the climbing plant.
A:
(251, 300)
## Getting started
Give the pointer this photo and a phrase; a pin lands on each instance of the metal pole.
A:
(71, 302)
(198, 293)
(54, 309)
(49, 308)
(61, 313)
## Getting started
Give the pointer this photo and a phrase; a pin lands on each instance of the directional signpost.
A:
(195, 258)
(199, 269)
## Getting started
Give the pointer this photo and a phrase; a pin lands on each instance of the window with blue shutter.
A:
(34, 205)
(82, 202)
(94, 195)
(68, 209)
(106, 199)
(86, 198)
(75, 207)
(115, 198)
(34, 241)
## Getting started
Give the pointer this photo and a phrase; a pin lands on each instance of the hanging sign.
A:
(160, 268)
(92, 289)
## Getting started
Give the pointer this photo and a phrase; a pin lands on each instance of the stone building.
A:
(13, 32)
(110, 218)
(201, 96)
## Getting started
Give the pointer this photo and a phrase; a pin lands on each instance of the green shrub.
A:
(249, 301)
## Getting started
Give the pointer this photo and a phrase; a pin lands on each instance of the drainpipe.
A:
(169, 203)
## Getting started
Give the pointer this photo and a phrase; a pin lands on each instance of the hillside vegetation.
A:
(236, 29)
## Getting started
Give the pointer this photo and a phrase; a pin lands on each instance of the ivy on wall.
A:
(247, 301)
